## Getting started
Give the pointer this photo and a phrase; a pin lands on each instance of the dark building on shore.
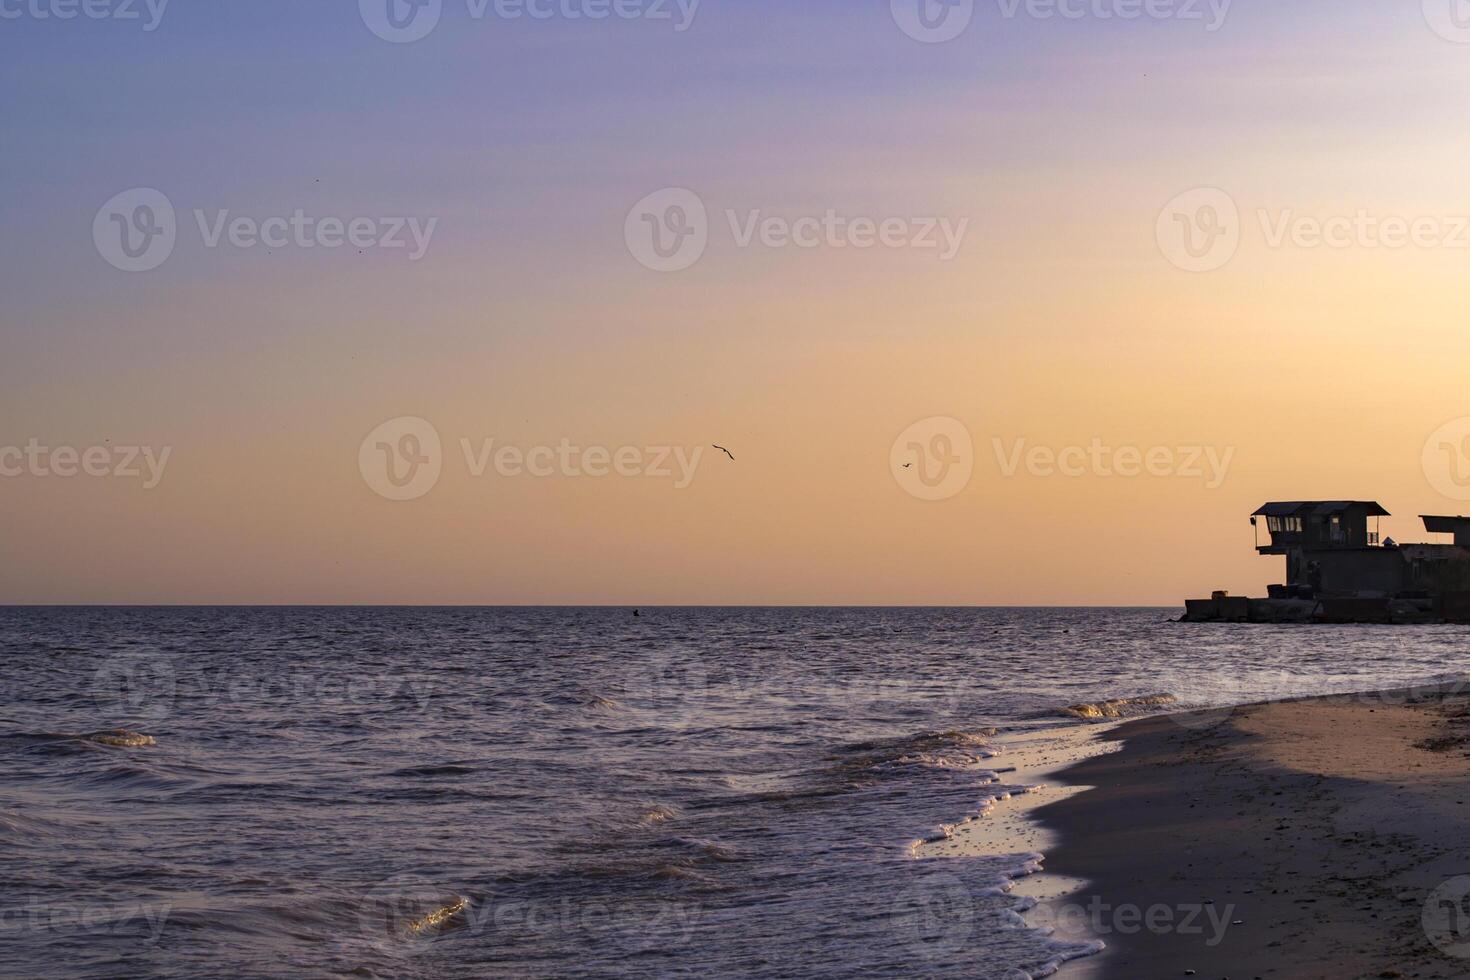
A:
(1340, 570)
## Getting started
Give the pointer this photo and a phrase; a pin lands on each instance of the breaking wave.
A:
(1119, 708)
(121, 738)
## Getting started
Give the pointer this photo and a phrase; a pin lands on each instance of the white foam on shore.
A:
(1003, 825)
(1032, 758)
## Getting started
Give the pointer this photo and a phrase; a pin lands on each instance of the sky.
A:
(1005, 304)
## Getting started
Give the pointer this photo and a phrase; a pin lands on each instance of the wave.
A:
(658, 814)
(583, 698)
(953, 750)
(120, 738)
(67, 741)
(1119, 707)
(438, 919)
(434, 771)
(987, 806)
(16, 826)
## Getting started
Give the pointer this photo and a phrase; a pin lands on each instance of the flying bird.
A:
(726, 452)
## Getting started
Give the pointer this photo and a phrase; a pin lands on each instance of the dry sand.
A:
(1299, 839)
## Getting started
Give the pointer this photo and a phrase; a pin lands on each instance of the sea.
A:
(494, 792)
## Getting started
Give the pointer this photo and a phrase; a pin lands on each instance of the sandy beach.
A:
(1317, 838)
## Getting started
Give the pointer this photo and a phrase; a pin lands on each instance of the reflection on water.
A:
(469, 793)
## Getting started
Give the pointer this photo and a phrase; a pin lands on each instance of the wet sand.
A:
(1317, 838)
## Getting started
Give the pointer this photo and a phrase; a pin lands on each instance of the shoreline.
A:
(1321, 837)
(1006, 825)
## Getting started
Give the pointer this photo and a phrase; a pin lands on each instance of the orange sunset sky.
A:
(1321, 371)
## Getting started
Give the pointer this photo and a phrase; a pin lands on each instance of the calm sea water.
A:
(563, 793)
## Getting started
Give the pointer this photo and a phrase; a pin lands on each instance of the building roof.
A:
(1303, 508)
(1445, 525)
